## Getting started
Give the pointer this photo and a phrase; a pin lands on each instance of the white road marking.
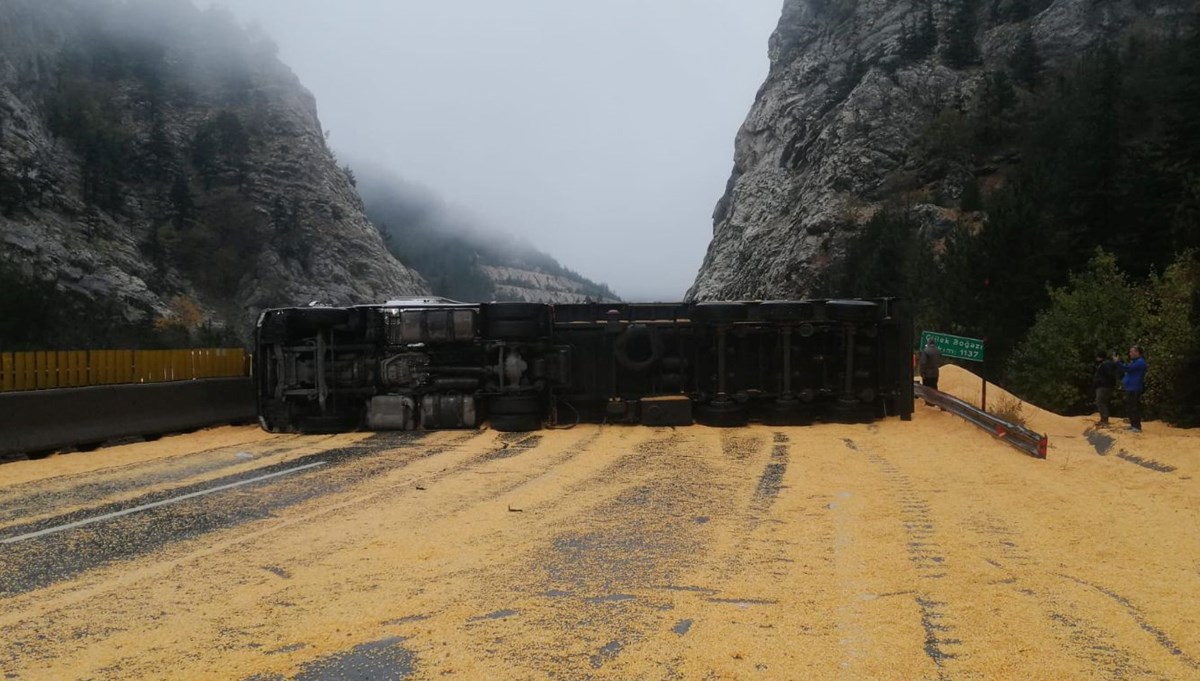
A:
(164, 502)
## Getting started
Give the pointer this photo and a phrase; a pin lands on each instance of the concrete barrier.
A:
(42, 420)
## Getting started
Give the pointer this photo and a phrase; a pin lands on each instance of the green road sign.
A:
(956, 347)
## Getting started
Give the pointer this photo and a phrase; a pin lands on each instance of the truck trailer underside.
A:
(436, 364)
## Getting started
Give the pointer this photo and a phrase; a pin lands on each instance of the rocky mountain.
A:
(460, 259)
(920, 104)
(159, 167)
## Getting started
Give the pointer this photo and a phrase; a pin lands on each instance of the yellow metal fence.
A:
(76, 368)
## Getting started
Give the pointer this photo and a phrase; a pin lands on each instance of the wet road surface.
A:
(897, 550)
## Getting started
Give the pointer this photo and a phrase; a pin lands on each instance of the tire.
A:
(276, 418)
(785, 311)
(851, 412)
(632, 333)
(788, 413)
(515, 413)
(721, 313)
(515, 423)
(851, 310)
(514, 330)
(721, 415)
(515, 405)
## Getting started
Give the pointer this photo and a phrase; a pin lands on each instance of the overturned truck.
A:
(431, 363)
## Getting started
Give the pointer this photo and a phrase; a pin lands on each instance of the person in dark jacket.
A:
(1134, 383)
(930, 363)
(1103, 380)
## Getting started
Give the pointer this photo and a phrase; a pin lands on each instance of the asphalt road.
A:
(898, 550)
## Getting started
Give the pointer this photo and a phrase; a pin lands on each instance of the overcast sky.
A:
(600, 130)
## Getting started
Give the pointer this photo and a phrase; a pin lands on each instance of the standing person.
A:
(929, 364)
(1103, 380)
(1134, 383)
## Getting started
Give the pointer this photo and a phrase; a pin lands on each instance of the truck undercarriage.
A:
(436, 364)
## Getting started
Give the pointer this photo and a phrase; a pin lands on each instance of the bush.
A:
(1173, 344)
(1100, 308)
(1010, 410)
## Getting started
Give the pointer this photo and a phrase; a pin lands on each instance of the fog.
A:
(601, 132)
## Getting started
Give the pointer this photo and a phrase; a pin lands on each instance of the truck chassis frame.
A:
(437, 364)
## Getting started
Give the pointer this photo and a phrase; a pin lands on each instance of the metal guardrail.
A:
(48, 369)
(1024, 439)
(38, 421)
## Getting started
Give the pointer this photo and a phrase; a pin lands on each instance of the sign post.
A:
(958, 347)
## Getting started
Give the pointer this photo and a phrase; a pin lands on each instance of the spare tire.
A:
(721, 312)
(636, 332)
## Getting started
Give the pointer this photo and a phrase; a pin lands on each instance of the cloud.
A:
(601, 132)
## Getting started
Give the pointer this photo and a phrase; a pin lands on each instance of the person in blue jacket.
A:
(1134, 383)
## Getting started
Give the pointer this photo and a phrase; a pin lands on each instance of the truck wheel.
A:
(725, 414)
(788, 412)
(510, 405)
(515, 413)
(851, 310)
(721, 312)
(784, 311)
(848, 411)
(515, 423)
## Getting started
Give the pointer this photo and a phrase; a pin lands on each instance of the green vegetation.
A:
(1098, 309)
(1104, 155)
(37, 314)
(154, 99)
(919, 37)
(959, 49)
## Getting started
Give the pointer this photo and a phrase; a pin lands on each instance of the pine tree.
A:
(919, 37)
(181, 201)
(960, 49)
(1025, 62)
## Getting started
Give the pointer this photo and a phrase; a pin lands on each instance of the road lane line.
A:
(164, 502)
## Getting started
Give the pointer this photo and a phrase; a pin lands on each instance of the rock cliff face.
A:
(846, 121)
(532, 285)
(152, 153)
